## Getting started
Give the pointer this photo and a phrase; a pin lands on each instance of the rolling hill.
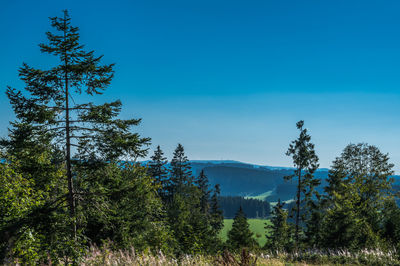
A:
(248, 180)
(254, 181)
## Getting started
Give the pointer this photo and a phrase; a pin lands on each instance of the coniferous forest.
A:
(74, 188)
(253, 208)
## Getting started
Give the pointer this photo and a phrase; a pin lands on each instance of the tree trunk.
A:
(71, 200)
(298, 210)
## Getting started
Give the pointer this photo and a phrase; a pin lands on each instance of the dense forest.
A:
(71, 180)
(253, 208)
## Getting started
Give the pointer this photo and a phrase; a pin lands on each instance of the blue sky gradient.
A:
(229, 79)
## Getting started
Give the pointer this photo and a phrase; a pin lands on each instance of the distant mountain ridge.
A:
(215, 162)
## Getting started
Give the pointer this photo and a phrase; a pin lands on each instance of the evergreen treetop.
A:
(180, 172)
(202, 183)
(306, 163)
(158, 171)
(240, 235)
(217, 217)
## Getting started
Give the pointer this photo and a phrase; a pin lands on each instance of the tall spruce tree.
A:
(158, 170)
(183, 204)
(194, 224)
(180, 172)
(306, 163)
(217, 217)
(202, 183)
(51, 104)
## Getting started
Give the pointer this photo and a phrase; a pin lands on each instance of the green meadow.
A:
(256, 225)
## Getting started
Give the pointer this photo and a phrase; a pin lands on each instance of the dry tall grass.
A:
(106, 256)
(97, 257)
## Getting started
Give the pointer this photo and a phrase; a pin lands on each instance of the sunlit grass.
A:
(262, 196)
(256, 226)
(98, 256)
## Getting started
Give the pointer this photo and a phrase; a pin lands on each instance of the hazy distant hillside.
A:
(256, 181)
(241, 179)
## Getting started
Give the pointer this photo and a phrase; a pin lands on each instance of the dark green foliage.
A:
(180, 172)
(42, 165)
(391, 223)
(279, 232)
(313, 228)
(216, 214)
(240, 236)
(41, 229)
(158, 171)
(188, 223)
(342, 228)
(17, 198)
(358, 192)
(68, 179)
(127, 210)
(194, 222)
(51, 104)
(252, 207)
(39, 160)
(306, 163)
(51, 119)
(202, 183)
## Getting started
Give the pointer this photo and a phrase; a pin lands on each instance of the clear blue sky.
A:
(229, 79)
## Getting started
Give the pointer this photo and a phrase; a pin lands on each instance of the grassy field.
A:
(262, 196)
(272, 195)
(256, 225)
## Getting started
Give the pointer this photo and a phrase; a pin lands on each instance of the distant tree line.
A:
(252, 208)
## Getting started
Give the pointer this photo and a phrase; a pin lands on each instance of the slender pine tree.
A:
(306, 163)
